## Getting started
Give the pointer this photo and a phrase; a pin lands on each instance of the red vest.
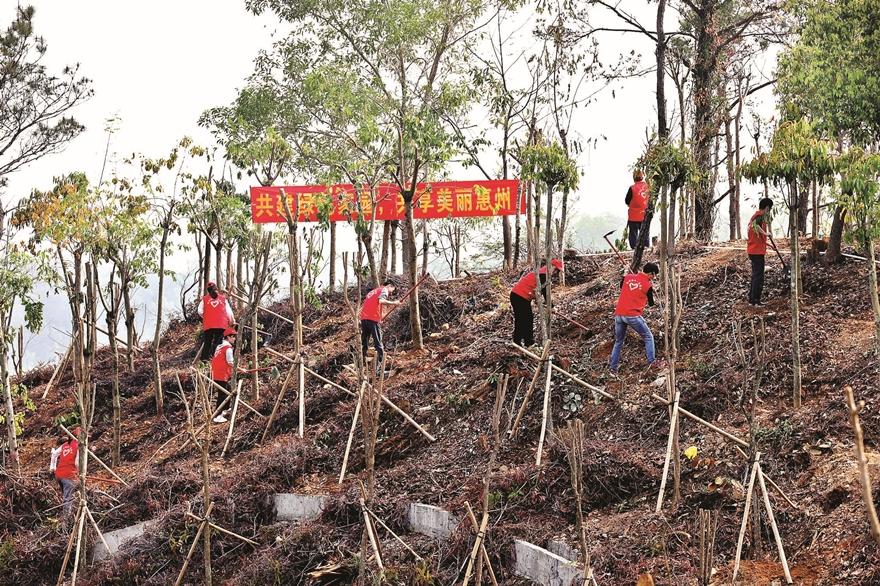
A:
(220, 369)
(757, 241)
(639, 202)
(214, 312)
(633, 295)
(66, 465)
(527, 285)
(372, 309)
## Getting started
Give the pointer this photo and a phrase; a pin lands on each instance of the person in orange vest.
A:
(221, 369)
(372, 312)
(759, 229)
(635, 292)
(637, 204)
(521, 296)
(64, 466)
(216, 315)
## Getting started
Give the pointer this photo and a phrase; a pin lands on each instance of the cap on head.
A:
(651, 268)
(211, 284)
(229, 332)
(560, 266)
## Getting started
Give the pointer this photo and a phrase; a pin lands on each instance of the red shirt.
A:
(639, 202)
(372, 308)
(220, 368)
(633, 295)
(757, 241)
(214, 313)
(66, 466)
(526, 286)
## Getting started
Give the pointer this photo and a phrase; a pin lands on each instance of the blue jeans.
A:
(637, 323)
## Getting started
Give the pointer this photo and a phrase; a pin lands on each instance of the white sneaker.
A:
(221, 418)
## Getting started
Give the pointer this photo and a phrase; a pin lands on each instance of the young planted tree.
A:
(796, 159)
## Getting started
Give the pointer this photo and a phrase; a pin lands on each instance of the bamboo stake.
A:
(69, 547)
(673, 425)
(58, 369)
(198, 355)
(97, 530)
(545, 412)
(354, 420)
(222, 530)
(393, 534)
(227, 393)
(746, 512)
(775, 528)
(477, 543)
(269, 311)
(278, 400)
(486, 560)
(862, 462)
(82, 522)
(192, 548)
(779, 490)
(567, 374)
(514, 429)
(702, 421)
(302, 399)
(201, 427)
(373, 541)
(97, 459)
(232, 419)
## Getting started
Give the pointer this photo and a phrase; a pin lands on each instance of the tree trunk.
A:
(737, 125)
(367, 240)
(426, 243)
(131, 333)
(332, 277)
(872, 291)
(704, 70)
(517, 224)
(112, 321)
(11, 438)
(383, 261)
(733, 204)
(393, 246)
(206, 268)
(815, 210)
(409, 256)
(795, 309)
(154, 349)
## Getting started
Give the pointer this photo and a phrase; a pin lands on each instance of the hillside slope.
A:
(449, 388)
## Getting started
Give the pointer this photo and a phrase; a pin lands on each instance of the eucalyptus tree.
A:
(412, 52)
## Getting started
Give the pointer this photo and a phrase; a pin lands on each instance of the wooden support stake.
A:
(775, 528)
(354, 420)
(278, 401)
(97, 530)
(746, 512)
(673, 426)
(260, 307)
(779, 490)
(97, 459)
(545, 412)
(486, 560)
(82, 522)
(227, 393)
(222, 530)
(702, 421)
(371, 535)
(567, 374)
(393, 534)
(514, 429)
(302, 399)
(862, 461)
(58, 369)
(232, 419)
(192, 548)
(69, 547)
(479, 541)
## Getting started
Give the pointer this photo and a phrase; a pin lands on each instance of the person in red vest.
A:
(637, 203)
(372, 312)
(635, 292)
(216, 315)
(65, 468)
(521, 296)
(221, 369)
(759, 230)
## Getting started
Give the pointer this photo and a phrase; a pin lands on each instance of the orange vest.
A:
(372, 309)
(220, 369)
(526, 286)
(757, 241)
(214, 313)
(633, 295)
(639, 202)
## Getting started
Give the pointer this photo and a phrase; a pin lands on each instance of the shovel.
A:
(617, 252)
(785, 269)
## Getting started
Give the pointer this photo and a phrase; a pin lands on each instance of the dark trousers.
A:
(757, 285)
(523, 320)
(210, 340)
(221, 396)
(68, 489)
(633, 229)
(372, 329)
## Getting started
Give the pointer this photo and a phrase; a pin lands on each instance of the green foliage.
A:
(7, 555)
(832, 74)
(666, 165)
(797, 154)
(19, 393)
(860, 193)
(18, 272)
(551, 166)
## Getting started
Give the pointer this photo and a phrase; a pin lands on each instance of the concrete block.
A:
(545, 567)
(298, 507)
(562, 549)
(115, 539)
(431, 521)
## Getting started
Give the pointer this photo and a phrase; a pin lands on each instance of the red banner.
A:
(440, 199)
